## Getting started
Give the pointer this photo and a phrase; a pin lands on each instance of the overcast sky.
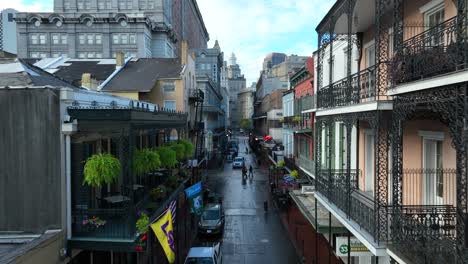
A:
(249, 28)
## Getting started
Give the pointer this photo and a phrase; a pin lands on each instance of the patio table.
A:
(116, 199)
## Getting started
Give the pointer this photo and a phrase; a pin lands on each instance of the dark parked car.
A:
(212, 219)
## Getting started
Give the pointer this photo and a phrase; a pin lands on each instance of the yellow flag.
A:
(162, 228)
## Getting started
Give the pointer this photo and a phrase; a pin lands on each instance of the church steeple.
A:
(216, 45)
(233, 59)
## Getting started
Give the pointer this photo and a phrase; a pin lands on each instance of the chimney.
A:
(86, 80)
(184, 52)
(119, 59)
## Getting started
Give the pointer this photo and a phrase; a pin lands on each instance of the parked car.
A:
(238, 162)
(205, 255)
(212, 219)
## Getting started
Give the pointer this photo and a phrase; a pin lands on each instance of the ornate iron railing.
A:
(429, 186)
(430, 53)
(196, 94)
(305, 103)
(306, 163)
(425, 233)
(104, 223)
(342, 93)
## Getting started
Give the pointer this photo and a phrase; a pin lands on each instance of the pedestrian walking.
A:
(250, 171)
(244, 171)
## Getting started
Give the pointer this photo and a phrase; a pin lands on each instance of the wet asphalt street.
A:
(251, 235)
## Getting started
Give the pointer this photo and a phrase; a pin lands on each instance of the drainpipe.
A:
(68, 182)
(68, 129)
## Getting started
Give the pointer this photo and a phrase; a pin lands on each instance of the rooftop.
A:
(142, 74)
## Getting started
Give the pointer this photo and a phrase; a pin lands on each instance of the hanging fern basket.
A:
(101, 169)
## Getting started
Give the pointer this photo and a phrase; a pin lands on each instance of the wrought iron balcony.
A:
(305, 103)
(196, 95)
(355, 204)
(116, 223)
(342, 93)
(425, 233)
(306, 163)
(431, 53)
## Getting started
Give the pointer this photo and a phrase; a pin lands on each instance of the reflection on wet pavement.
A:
(251, 235)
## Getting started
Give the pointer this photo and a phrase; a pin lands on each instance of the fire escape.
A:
(196, 126)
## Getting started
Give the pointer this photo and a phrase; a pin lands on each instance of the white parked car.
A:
(238, 162)
(205, 255)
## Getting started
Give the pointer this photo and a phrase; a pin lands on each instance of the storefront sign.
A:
(357, 248)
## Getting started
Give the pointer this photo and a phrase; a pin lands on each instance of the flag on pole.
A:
(173, 208)
(194, 195)
(163, 230)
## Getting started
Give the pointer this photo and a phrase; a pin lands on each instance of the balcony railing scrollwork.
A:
(425, 233)
(433, 52)
(342, 93)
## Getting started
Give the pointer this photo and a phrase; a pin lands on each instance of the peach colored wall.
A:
(413, 153)
(413, 16)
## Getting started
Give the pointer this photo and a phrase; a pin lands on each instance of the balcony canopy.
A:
(108, 118)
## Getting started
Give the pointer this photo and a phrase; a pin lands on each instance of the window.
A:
(34, 39)
(168, 87)
(55, 39)
(10, 17)
(91, 55)
(64, 38)
(98, 39)
(132, 39)
(67, 4)
(82, 55)
(170, 104)
(90, 39)
(81, 38)
(58, 54)
(34, 55)
(80, 4)
(115, 39)
(370, 54)
(42, 39)
(98, 55)
(124, 39)
(432, 20)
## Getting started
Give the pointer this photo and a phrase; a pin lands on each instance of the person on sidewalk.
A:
(250, 171)
(244, 171)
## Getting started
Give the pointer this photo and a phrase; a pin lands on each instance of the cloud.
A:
(254, 28)
(249, 28)
(28, 5)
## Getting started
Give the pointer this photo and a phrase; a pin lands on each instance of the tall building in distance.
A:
(8, 30)
(101, 28)
(273, 59)
(235, 83)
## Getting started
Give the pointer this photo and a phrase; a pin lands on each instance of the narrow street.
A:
(251, 235)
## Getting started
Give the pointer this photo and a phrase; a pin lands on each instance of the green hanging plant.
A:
(179, 150)
(101, 169)
(188, 148)
(296, 119)
(167, 156)
(280, 164)
(145, 161)
(142, 224)
(294, 174)
(281, 120)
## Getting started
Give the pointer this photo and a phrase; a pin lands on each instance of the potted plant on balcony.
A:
(145, 161)
(280, 164)
(281, 119)
(294, 174)
(101, 169)
(158, 193)
(91, 224)
(142, 224)
(296, 119)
